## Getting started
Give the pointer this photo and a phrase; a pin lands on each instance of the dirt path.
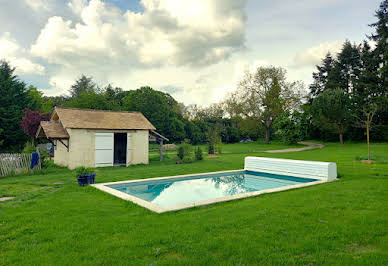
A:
(310, 146)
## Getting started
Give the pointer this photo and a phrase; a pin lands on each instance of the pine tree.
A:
(13, 100)
(321, 76)
(381, 38)
(348, 67)
(82, 85)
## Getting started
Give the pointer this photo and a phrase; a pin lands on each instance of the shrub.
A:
(219, 148)
(198, 154)
(183, 151)
(29, 148)
(288, 128)
(211, 148)
(84, 171)
(43, 156)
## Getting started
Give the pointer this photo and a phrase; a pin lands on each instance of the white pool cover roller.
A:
(308, 169)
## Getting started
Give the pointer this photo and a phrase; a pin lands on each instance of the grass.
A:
(252, 147)
(342, 222)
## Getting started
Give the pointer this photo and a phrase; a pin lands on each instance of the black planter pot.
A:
(84, 180)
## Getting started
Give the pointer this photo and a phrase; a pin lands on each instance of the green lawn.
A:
(343, 222)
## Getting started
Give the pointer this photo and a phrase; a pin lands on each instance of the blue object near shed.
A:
(34, 160)
(84, 180)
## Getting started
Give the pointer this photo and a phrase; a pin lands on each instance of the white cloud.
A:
(170, 44)
(12, 52)
(314, 55)
(169, 32)
(38, 4)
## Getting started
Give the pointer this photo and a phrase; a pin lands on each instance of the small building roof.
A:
(101, 119)
(51, 130)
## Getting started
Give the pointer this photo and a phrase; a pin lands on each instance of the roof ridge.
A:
(95, 110)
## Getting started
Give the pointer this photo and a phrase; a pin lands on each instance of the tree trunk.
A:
(341, 138)
(161, 150)
(367, 140)
(267, 135)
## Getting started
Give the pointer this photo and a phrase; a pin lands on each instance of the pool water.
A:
(185, 190)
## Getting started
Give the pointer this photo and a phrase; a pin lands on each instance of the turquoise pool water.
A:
(175, 191)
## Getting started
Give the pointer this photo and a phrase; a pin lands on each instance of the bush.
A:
(29, 148)
(211, 148)
(84, 171)
(198, 154)
(288, 128)
(184, 151)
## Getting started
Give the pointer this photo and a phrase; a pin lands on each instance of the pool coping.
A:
(158, 209)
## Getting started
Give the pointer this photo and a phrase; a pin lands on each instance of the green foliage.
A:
(89, 100)
(211, 149)
(29, 147)
(214, 139)
(230, 135)
(289, 128)
(159, 108)
(83, 84)
(181, 152)
(43, 158)
(14, 99)
(219, 147)
(198, 154)
(184, 150)
(83, 171)
(263, 95)
(331, 110)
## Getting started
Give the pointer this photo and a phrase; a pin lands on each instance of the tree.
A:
(14, 98)
(159, 108)
(331, 110)
(83, 84)
(289, 127)
(369, 93)
(31, 121)
(264, 95)
(380, 36)
(347, 66)
(89, 100)
(321, 77)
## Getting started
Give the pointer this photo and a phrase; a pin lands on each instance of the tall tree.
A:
(82, 85)
(369, 95)
(322, 76)
(347, 66)
(14, 98)
(160, 108)
(331, 111)
(380, 36)
(264, 95)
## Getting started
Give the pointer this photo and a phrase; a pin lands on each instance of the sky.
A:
(196, 50)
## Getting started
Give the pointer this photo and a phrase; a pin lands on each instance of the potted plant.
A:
(85, 176)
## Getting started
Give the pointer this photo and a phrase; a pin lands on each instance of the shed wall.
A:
(82, 148)
(139, 142)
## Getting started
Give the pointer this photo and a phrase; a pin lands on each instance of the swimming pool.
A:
(181, 192)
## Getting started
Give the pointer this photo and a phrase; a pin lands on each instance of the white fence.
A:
(16, 163)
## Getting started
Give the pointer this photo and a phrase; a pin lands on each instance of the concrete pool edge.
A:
(158, 209)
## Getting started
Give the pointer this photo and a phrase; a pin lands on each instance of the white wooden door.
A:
(104, 149)
(129, 148)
